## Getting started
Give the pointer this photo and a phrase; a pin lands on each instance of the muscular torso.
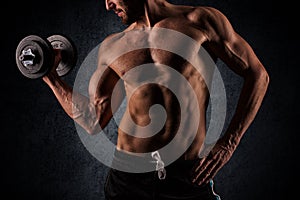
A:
(141, 97)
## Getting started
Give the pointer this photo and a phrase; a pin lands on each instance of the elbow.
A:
(96, 127)
(93, 130)
(260, 77)
(265, 78)
(90, 131)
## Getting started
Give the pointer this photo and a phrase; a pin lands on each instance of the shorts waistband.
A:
(133, 162)
(149, 162)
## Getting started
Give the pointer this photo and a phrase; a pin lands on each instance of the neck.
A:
(155, 10)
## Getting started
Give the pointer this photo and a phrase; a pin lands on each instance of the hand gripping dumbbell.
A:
(35, 55)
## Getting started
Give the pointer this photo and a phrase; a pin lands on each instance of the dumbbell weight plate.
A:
(34, 56)
(68, 53)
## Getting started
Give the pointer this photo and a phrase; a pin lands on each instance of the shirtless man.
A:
(189, 177)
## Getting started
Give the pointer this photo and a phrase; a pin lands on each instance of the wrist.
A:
(51, 78)
(231, 140)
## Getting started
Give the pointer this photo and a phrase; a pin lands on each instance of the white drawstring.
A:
(160, 165)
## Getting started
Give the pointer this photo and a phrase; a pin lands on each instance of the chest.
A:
(172, 42)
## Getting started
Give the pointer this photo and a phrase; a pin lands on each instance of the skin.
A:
(213, 31)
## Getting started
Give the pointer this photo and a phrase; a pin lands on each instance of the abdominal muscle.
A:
(138, 107)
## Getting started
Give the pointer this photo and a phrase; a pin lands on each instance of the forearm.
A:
(77, 106)
(252, 94)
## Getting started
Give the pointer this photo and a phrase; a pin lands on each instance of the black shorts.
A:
(177, 184)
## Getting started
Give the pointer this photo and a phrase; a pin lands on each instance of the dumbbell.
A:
(35, 55)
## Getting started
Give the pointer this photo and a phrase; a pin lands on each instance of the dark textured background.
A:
(42, 155)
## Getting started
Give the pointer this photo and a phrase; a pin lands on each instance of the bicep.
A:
(226, 44)
(106, 90)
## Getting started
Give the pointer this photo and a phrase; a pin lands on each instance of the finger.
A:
(203, 168)
(204, 163)
(200, 162)
(201, 174)
(57, 52)
(206, 168)
(207, 176)
(58, 57)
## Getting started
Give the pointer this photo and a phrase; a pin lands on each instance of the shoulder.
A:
(206, 14)
(104, 50)
(112, 38)
(210, 19)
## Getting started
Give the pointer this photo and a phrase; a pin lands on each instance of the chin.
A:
(126, 21)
